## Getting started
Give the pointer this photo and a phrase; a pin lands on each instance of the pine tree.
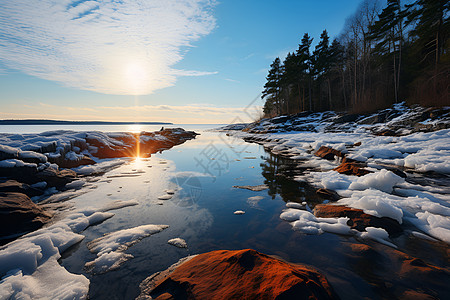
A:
(272, 88)
(304, 65)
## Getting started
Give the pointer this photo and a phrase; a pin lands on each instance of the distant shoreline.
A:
(59, 122)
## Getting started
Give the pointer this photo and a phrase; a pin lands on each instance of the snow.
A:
(239, 212)
(111, 247)
(30, 267)
(15, 163)
(177, 242)
(165, 197)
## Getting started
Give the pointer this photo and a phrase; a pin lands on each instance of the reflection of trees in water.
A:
(279, 172)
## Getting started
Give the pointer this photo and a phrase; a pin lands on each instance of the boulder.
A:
(56, 178)
(19, 215)
(241, 274)
(406, 277)
(358, 219)
(328, 153)
(18, 187)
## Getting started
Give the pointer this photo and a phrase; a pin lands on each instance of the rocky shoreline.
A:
(35, 165)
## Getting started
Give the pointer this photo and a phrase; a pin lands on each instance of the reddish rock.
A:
(242, 274)
(141, 144)
(328, 194)
(19, 215)
(358, 219)
(404, 277)
(351, 168)
(328, 153)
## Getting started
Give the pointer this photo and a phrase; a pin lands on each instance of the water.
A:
(205, 170)
(104, 128)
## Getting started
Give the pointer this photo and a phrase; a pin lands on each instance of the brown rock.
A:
(358, 219)
(18, 187)
(386, 132)
(56, 178)
(328, 194)
(242, 274)
(19, 215)
(328, 153)
(67, 163)
(405, 277)
(351, 168)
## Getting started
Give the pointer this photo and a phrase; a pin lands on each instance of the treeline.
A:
(383, 55)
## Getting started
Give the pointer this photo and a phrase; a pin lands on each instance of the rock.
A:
(19, 215)
(22, 172)
(56, 178)
(386, 132)
(241, 274)
(352, 168)
(328, 194)
(255, 188)
(406, 277)
(18, 187)
(328, 153)
(63, 162)
(358, 219)
(7, 152)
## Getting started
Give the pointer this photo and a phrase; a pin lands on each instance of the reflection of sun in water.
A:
(135, 128)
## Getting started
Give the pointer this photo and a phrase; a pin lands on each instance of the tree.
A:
(304, 65)
(272, 87)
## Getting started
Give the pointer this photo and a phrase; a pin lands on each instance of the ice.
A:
(253, 201)
(29, 266)
(111, 247)
(306, 222)
(378, 234)
(15, 163)
(294, 205)
(177, 242)
(383, 180)
(239, 212)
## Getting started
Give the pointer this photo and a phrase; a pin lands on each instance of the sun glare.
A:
(135, 128)
(137, 77)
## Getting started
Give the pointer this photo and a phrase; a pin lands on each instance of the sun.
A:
(136, 75)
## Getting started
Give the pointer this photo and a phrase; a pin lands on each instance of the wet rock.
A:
(242, 274)
(255, 188)
(328, 153)
(407, 277)
(19, 215)
(358, 219)
(14, 186)
(328, 194)
(352, 168)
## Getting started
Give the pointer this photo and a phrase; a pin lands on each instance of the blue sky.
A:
(183, 61)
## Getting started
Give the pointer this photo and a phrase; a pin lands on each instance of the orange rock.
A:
(241, 274)
(328, 153)
(351, 168)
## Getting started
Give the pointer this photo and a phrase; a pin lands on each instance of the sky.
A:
(179, 61)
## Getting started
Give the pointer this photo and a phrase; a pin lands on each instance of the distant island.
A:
(59, 122)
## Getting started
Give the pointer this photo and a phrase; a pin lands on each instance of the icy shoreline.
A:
(381, 192)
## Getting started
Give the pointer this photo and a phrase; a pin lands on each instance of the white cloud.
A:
(112, 47)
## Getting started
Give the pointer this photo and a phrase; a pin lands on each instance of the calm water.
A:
(105, 128)
(204, 171)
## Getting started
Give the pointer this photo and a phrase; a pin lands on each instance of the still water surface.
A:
(204, 171)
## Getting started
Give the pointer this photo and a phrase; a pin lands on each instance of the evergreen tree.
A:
(304, 65)
(272, 87)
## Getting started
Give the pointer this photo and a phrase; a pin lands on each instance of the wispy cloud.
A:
(112, 47)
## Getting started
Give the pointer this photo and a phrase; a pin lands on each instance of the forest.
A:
(386, 53)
